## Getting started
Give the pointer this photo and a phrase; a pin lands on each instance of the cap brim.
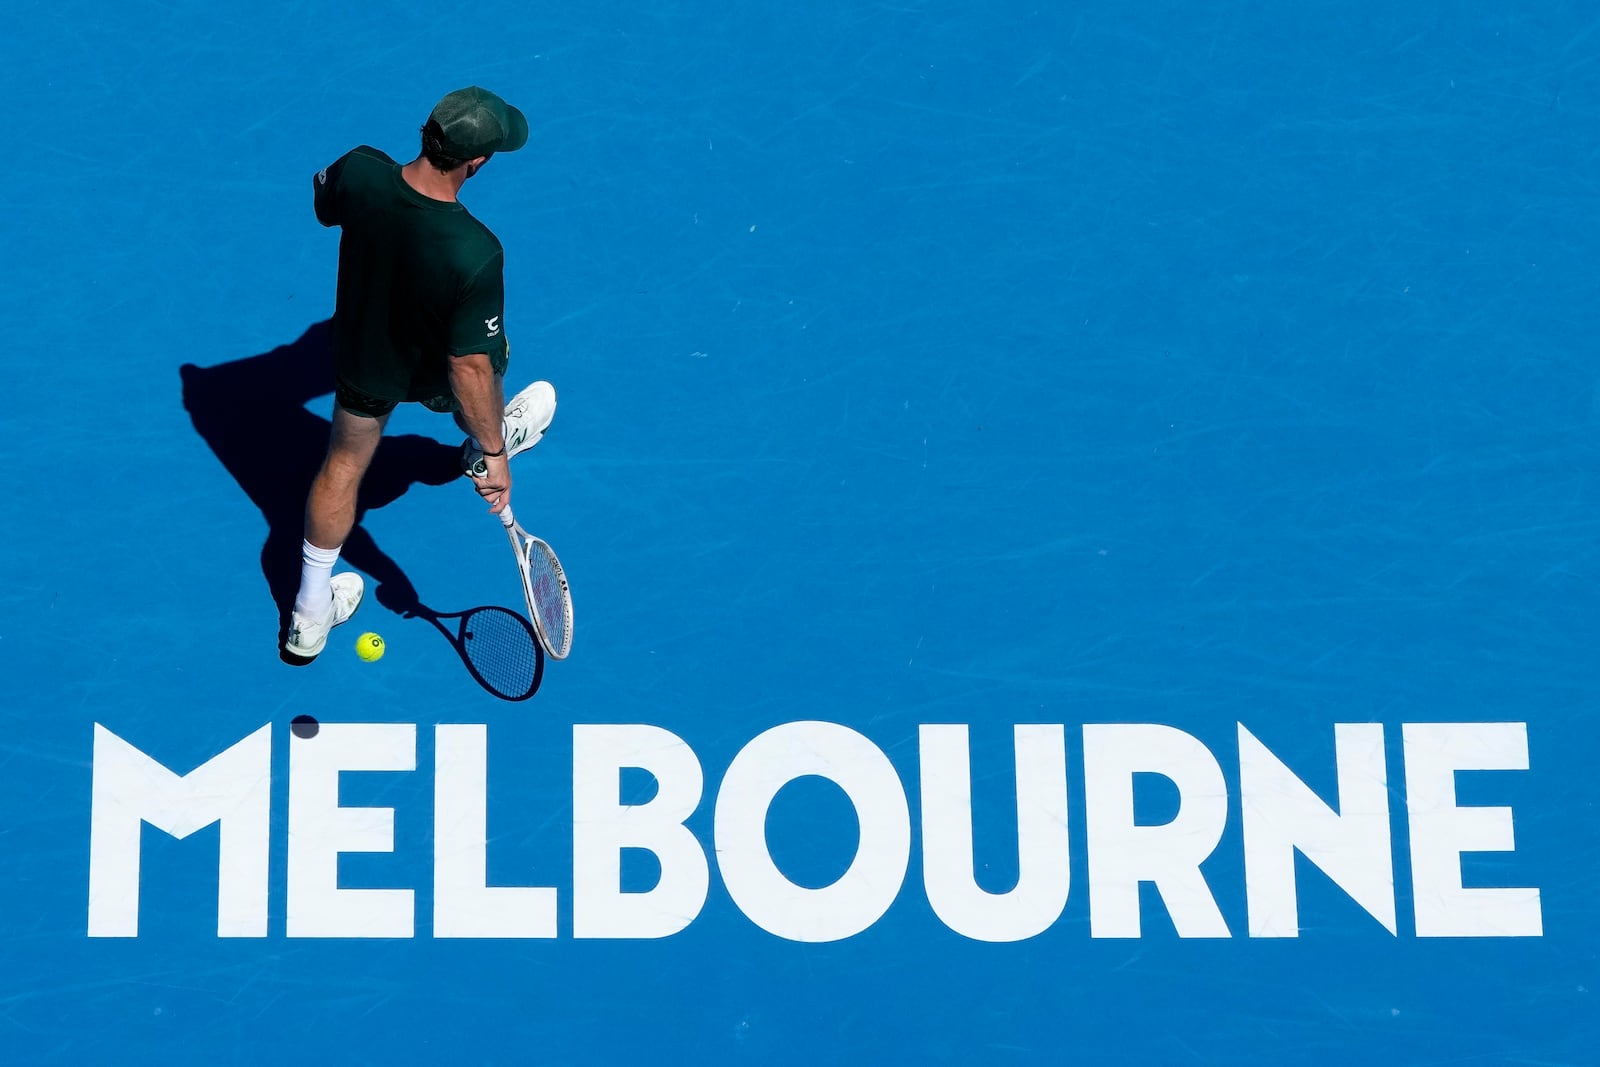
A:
(517, 135)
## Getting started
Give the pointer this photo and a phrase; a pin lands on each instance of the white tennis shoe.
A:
(527, 417)
(308, 636)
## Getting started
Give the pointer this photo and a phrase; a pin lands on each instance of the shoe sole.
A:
(479, 469)
(535, 435)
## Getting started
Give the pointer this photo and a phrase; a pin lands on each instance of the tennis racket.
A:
(544, 584)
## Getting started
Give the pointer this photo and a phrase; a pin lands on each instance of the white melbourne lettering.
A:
(1343, 838)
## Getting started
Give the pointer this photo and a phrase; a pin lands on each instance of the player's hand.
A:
(495, 485)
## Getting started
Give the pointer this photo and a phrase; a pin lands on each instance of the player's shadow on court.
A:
(252, 413)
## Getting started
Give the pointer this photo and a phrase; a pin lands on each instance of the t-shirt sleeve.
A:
(478, 325)
(325, 192)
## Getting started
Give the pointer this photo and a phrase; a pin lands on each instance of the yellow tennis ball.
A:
(369, 646)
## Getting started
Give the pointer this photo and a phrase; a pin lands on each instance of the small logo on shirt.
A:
(322, 176)
(493, 325)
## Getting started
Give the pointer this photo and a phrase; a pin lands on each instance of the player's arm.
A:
(477, 388)
(477, 361)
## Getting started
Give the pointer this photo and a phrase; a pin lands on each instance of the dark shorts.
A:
(358, 401)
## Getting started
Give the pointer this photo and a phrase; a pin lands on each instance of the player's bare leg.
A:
(325, 600)
(331, 505)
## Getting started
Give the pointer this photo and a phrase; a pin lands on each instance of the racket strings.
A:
(544, 585)
(549, 596)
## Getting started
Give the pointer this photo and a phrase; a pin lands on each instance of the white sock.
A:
(316, 570)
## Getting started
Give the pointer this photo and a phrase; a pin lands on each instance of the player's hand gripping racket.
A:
(544, 584)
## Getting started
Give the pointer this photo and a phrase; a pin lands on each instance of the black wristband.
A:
(499, 453)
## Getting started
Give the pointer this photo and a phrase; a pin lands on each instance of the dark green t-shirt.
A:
(420, 280)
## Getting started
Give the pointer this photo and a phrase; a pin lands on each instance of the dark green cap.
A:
(474, 122)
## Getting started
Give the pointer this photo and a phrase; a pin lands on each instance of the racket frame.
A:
(523, 545)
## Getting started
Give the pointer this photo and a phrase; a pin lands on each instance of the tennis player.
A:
(419, 317)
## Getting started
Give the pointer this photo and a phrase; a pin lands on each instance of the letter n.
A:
(233, 788)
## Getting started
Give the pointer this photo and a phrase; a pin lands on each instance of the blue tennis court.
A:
(1082, 522)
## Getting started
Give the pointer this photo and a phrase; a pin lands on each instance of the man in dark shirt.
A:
(419, 316)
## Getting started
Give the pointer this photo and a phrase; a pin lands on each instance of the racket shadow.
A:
(497, 646)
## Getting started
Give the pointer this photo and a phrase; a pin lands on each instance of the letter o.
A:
(866, 890)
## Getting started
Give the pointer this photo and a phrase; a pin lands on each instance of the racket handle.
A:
(506, 518)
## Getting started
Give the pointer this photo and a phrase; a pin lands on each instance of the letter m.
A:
(234, 788)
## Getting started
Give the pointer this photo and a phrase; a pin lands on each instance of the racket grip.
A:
(506, 518)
